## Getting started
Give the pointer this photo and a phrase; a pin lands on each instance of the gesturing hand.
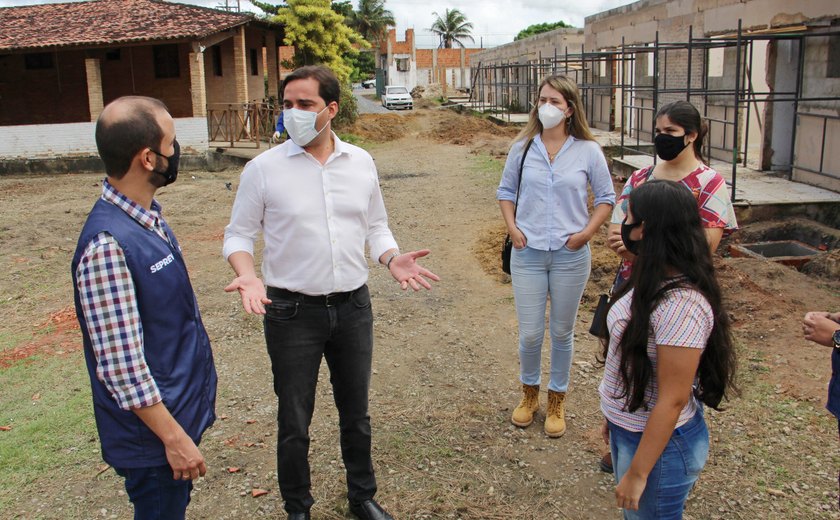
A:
(252, 291)
(404, 269)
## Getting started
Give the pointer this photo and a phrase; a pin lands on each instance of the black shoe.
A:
(369, 510)
(606, 464)
(299, 516)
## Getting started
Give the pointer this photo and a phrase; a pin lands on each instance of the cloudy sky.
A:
(494, 21)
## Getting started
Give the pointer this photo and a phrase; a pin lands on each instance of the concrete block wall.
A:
(541, 45)
(77, 139)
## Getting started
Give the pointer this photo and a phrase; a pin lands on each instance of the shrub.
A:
(348, 112)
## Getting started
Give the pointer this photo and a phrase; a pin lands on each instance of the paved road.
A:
(366, 106)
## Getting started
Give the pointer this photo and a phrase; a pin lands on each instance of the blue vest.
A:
(177, 349)
(834, 385)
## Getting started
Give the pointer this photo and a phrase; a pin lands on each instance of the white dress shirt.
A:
(315, 219)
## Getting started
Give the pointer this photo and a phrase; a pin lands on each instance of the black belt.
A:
(323, 299)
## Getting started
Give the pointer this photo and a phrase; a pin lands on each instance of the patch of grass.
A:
(352, 139)
(487, 167)
(11, 339)
(47, 403)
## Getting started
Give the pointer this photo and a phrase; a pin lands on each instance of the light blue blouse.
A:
(552, 202)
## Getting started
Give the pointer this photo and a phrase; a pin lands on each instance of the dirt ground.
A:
(445, 364)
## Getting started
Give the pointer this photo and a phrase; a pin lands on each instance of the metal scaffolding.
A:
(622, 88)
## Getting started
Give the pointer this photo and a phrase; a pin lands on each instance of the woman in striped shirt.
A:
(680, 132)
(669, 352)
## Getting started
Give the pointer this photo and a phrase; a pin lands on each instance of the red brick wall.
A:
(256, 84)
(56, 95)
(446, 58)
(424, 58)
(134, 74)
(220, 89)
(287, 54)
(401, 47)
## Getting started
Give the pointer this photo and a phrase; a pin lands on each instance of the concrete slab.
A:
(751, 186)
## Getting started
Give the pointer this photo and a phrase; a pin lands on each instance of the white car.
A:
(397, 97)
(369, 83)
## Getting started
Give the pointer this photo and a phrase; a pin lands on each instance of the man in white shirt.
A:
(317, 201)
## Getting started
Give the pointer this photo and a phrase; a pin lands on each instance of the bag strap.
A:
(521, 166)
(648, 175)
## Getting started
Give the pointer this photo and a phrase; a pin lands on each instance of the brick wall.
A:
(287, 55)
(77, 140)
(60, 94)
(256, 83)
(445, 66)
(398, 47)
(56, 95)
(220, 89)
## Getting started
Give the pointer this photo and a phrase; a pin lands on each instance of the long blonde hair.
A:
(577, 126)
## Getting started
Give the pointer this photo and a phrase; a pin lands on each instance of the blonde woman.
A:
(549, 223)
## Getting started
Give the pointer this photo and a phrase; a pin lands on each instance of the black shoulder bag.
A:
(508, 247)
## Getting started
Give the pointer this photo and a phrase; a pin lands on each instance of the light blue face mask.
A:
(301, 125)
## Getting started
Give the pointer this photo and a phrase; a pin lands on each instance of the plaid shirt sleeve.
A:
(109, 305)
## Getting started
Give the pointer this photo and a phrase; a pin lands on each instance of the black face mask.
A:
(629, 243)
(668, 147)
(171, 171)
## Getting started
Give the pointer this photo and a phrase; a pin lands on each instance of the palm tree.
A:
(452, 27)
(372, 20)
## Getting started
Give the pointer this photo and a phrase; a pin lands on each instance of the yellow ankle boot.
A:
(555, 414)
(523, 415)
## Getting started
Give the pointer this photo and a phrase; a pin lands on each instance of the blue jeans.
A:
(298, 334)
(155, 494)
(535, 276)
(675, 472)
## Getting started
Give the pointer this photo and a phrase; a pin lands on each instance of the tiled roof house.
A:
(61, 63)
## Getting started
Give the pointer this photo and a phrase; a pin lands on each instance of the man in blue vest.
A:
(147, 353)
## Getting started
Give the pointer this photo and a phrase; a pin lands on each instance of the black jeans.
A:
(298, 333)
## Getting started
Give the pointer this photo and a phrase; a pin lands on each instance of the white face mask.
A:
(301, 125)
(550, 116)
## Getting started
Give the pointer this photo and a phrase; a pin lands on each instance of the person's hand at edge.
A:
(819, 327)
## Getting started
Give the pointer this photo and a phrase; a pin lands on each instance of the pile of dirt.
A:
(380, 127)
(466, 130)
(488, 250)
(826, 265)
(433, 91)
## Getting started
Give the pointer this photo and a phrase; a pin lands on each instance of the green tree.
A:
(319, 35)
(372, 20)
(345, 9)
(451, 28)
(539, 28)
(268, 9)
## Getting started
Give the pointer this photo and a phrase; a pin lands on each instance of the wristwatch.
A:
(836, 338)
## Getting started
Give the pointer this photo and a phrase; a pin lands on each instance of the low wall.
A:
(76, 140)
(209, 161)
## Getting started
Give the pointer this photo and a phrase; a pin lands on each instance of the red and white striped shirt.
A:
(683, 318)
